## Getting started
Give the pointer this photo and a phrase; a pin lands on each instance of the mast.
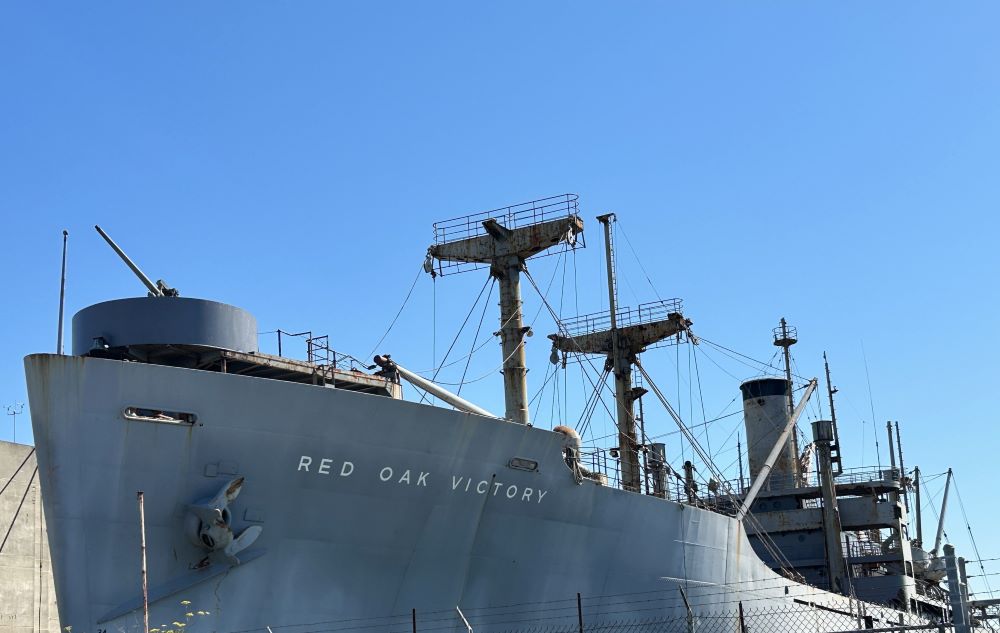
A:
(526, 230)
(627, 444)
(739, 456)
(630, 332)
(916, 499)
(835, 446)
(507, 271)
(944, 508)
(784, 337)
(832, 526)
(892, 450)
(902, 470)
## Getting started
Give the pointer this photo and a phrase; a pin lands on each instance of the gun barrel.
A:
(153, 290)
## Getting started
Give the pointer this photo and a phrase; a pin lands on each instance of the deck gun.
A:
(159, 289)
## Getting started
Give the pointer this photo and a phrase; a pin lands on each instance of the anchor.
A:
(209, 524)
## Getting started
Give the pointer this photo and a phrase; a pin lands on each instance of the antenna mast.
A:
(784, 337)
(902, 470)
(835, 447)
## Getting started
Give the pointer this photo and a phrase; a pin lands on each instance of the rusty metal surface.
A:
(278, 367)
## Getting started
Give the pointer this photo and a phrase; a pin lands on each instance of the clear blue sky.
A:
(835, 164)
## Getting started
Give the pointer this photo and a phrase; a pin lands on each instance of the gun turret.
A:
(159, 289)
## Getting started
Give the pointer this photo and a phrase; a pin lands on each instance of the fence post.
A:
(414, 621)
(743, 623)
(579, 610)
(687, 606)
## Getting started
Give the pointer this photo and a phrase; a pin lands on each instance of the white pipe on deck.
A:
(431, 388)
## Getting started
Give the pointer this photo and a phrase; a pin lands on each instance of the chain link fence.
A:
(571, 616)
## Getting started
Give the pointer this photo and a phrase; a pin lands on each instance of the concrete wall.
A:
(27, 596)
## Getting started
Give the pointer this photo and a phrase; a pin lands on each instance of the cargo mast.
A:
(504, 239)
(630, 332)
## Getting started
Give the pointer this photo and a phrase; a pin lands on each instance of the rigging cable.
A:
(764, 538)
(621, 227)
(398, 312)
(565, 332)
(768, 543)
(701, 397)
(457, 334)
(483, 377)
(475, 339)
(437, 369)
(968, 527)
(871, 403)
(728, 352)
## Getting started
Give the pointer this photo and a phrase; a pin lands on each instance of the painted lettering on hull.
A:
(408, 477)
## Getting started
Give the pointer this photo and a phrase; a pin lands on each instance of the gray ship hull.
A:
(369, 506)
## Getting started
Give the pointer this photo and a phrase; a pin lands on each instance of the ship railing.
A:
(859, 549)
(605, 465)
(624, 317)
(318, 351)
(777, 481)
(867, 473)
(603, 462)
(512, 217)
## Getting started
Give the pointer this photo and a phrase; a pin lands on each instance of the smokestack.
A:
(765, 413)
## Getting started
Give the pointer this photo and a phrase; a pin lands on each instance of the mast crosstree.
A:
(504, 239)
(629, 333)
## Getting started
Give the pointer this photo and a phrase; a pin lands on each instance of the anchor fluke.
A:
(241, 542)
